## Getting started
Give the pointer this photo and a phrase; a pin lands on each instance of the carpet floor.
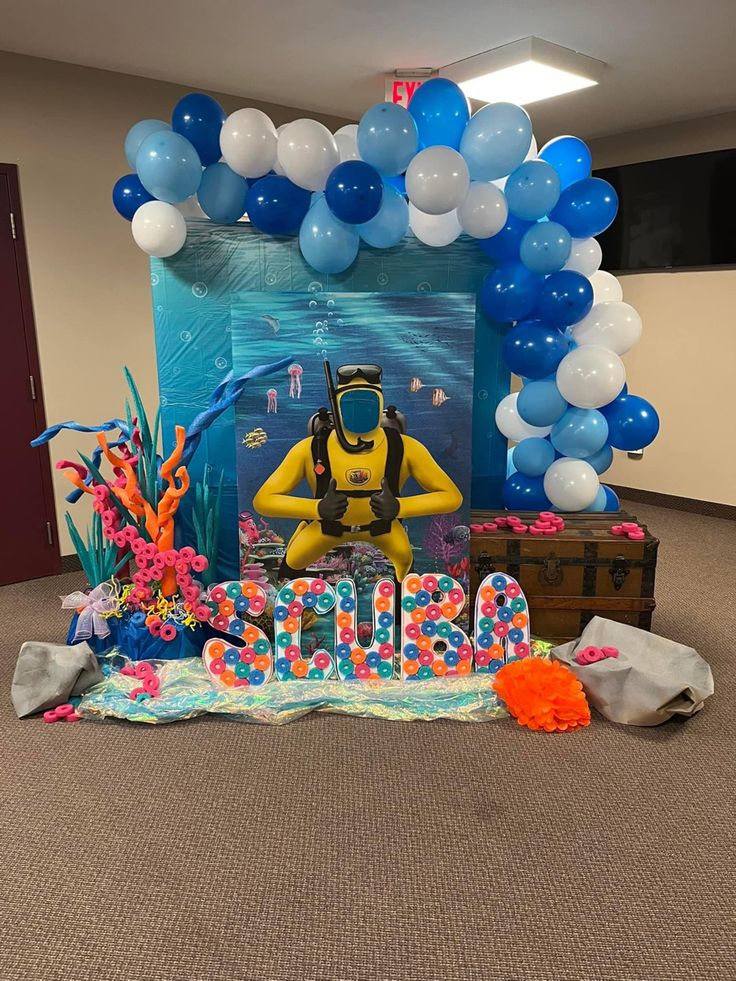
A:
(353, 850)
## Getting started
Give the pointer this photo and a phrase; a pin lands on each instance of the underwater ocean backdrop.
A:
(425, 344)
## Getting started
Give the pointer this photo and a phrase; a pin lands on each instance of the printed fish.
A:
(272, 322)
(439, 395)
(415, 384)
(255, 438)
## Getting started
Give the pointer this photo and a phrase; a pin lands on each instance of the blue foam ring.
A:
(412, 677)
(411, 651)
(347, 604)
(498, 582)
(309, 600)
(451, 658)
(373, 659)
(138, 619)
(484, 640)
(423, 598)
(456, 638)
(505, 614)
(343, 589)
(385, 620)
(231, 656)
(280, 613)
(283, 664)
(242, 603)
(236, 626)
(429, 628)
(495, 665)
(515, 635)
(256, 677)
(343, 651)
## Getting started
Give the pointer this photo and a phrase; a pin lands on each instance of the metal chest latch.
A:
(484, 565)
(618, 571)
(551, 572)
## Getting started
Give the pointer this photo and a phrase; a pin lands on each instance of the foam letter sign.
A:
(229, 663)
(501, 622)
(431, 644)
(293, 599)
(354, 660)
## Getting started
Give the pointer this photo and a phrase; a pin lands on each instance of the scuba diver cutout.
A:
(356, 461)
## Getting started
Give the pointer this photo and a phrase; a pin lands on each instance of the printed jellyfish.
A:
(295, 381)
(272, 404)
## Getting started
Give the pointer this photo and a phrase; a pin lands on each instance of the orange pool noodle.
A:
(542, 694)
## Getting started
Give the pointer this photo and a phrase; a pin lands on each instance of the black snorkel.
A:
(362, 444)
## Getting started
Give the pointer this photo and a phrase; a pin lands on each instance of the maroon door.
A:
(28, 535)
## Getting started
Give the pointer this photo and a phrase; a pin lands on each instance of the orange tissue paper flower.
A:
(542, 694)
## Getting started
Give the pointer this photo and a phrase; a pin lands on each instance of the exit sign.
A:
(400, 88)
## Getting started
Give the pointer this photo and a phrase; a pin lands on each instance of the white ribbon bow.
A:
(91, 607)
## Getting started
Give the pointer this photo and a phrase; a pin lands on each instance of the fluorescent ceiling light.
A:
(524, 71)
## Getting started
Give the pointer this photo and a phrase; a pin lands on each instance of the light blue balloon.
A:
(327, 244)
(169, 167)
(510, 468)
(138, 133)
(601, 460)
(222, 194)
(532, 456)
(387, 138)
(540, 404)
(391, 223)
(496, 140)
(580, 433)
(532, 190)
(545, 247)
(601, 499)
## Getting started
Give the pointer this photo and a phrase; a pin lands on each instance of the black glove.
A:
(383, 503)
(333, 505)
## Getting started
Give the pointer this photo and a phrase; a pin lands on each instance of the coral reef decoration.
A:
(542, 695)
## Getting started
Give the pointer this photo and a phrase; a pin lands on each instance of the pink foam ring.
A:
(425, 657)
(433, 611)
(220, 622)
(386, 588)
(145, 576)
(199, 563)
(429, 583)
(412, 630)
(241, 683)
(292, 653)
(629, 525)
(386, 651)
(618, 530)
(186, 554)
(218, 594)
(152, 684)
(63, 710)
(547, 515)
(128, 670)
(185, 581)
(500, 629)
(542, 523)
(140, 560)
(456, 596)
(513, 589)
(295, 609)
(143, 669)
(136, 692)
(74, 717)
(248, 655)
(347, 636)
(482, 658)
(138, 579)
(521, 649)
(477, 529)
(181, 567)
(101, 492)
(560, 526)
(362, 670)
(636, 536)
(321, 660)
(489, 526)
(489, 609)
(168, 632)
(191, 592)
(537, 532)
(512, 519)
(144, 592)
(98, 507)
(520, 529)
(550, 531)
(108, 517)
(51, 716)
(217, 665)
(130, 532)
(119, 539)
(611, 651)
(171, 557)
(257, 604)
(318, 586)
(501, 521)
(202, 612)
(464, 651)
(150, 551)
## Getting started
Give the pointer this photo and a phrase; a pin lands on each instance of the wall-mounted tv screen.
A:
(673, 213)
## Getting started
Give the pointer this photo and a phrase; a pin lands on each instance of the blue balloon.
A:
(354, 192)
(510, 468)
(496, 141)
(327, 244)
(391, 223)
(199, 118)
(565, 298)
(586, 208)
(599, 504)
(222, 194)
(387, 138)
(633, 422)
(138, 133)
(545, 247)
(504, 245)
(441, 112)
(533, 350)
(612, 501)
(601, 460)
(580, 433)
(276, 206)
(510, 292)
(522, 493)
(168, 166)
(128, 195)
(532, 190)
(533, 455)
(398, 183)
(540, 404)
(569, 156)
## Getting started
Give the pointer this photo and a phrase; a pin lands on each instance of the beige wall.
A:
(685, 360)
(64, 127)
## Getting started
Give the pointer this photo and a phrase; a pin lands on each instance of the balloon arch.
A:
(535, 214)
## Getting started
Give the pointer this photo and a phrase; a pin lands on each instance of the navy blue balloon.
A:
(441, 112)
(276, 206)
(522, 493)
(565, 298)
(612, 501)
(504, 245)
(199, 118)
(586, 208)
(633, 422)
(128, 195)
(510, 292)
(222, 194)
(533, 350)
(354, 192)
(569, 156)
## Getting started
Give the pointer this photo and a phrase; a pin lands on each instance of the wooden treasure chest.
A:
(582, 572)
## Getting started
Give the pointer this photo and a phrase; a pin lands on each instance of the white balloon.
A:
(277, 168)
(510, 423)
(570, 484)
(347, 142)
(533, 150)
(590, 376)
(605, 287)
(437, 180)
(159, 229)
(434, 230)
(611, 324)
(308, 153)
(190, 208)
(248, 142)
(484, 211)
(585, 256)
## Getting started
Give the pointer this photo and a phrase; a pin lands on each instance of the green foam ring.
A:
(445, 583)
(286, 596)
(233, 590)
(385, 669)
(344, 589)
